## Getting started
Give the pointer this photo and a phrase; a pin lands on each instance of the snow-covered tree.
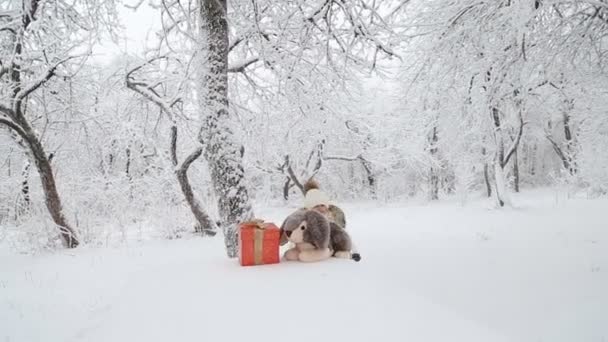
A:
(41, 41)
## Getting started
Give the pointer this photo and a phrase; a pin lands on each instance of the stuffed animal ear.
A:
(284, 239)
(290, 223)
(317, 230)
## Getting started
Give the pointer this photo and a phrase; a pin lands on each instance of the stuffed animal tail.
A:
(354, 252)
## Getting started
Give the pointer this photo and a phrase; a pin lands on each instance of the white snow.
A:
(431, 272)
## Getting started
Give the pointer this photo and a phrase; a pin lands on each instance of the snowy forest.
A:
(241, 102)
(464, 142)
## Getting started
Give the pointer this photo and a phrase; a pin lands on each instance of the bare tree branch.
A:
(192, 157)
(136, 6)
(7, 111)
(148, 91)
(173, 147)
(292, 174)
(233, 44)
(367, 166)
(25, 92)
(15, 127)
(243, 65)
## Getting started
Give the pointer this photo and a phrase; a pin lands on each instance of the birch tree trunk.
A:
(502, 196)
(571, 156)
(25, 186)
(566, 153)
(433, 171)
(500, 191)
(486, 174)
(224, 156)
(502, 156)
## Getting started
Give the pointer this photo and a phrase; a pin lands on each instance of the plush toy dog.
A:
(315, 237)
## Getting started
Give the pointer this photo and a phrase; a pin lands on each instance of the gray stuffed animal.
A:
(315, 238)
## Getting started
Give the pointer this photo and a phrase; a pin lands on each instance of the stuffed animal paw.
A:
(292, 254)
(315, 255)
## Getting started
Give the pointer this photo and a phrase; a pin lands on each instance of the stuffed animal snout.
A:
(297, 235)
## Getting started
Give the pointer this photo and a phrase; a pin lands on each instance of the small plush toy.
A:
(315, 237)
(315, 198)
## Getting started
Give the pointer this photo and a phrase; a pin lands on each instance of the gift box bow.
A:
(255, 223)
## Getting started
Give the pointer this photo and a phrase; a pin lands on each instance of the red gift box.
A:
(258, 243)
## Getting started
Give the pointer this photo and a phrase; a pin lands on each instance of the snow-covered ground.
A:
(430, 272)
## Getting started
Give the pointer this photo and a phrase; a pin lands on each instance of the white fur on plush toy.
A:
(293, 254)
(306, 252)
(314, 255)
(343, 255)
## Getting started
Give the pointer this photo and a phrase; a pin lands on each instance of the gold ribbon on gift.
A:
(258, 240)
(258, 247)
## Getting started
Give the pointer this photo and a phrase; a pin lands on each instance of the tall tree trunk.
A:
(500, 190)
(486, 173)
(128, 163)
(224, 156)
(515, 171)
(532, 160)
(502, 157)
(371, 179)
(204, 225)
(47, 178)
(570, 153)
(434, 185)
(486, 177)
(433, 171)
(25, 186)
(286, 188)
(566, 153)
(52, 199)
